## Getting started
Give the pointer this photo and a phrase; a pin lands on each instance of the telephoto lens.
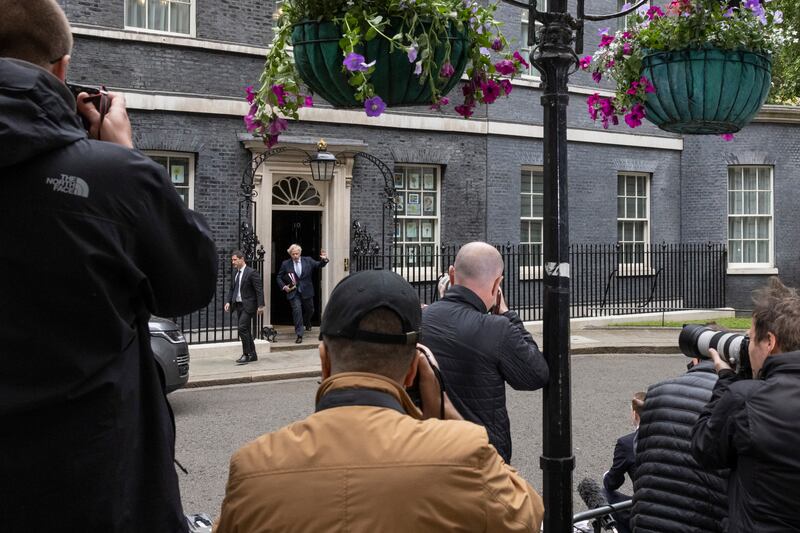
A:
(695, 341)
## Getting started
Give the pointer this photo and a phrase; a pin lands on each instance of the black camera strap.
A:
(368, 397)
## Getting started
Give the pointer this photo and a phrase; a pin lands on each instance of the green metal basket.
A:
(706, 91)
(318, 60)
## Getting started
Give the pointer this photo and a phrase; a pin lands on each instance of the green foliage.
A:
(786, 63)
(727, 323)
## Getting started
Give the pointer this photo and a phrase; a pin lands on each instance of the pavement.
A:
(215, 364)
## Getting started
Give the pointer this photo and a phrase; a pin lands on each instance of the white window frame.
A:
(752, 268)
(419, 273)
(641, 268)
(622, 22)
(528, 272)
(191, 167)
(192, 20)
(524, 51)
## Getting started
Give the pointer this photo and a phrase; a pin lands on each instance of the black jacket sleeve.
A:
(258, 287)
(175, 249)
(281, 273)
(723, 419)
(522, 365)
(615, 477)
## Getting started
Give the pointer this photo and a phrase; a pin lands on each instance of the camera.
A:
(98, 97)
(695, 341)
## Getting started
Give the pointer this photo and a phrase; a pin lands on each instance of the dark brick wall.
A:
(704, 197)
(161, 68)
(239, 21)
(95, 13)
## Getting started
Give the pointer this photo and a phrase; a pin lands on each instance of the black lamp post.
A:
(555, 54)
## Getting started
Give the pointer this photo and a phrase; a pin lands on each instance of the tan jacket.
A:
(373, 469)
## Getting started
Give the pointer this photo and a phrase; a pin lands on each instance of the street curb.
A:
(256, 378)
(286, 375)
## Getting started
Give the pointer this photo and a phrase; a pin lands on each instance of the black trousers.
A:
(245, 321)
(302, 311)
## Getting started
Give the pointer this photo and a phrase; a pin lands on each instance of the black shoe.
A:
(308, 328)
(299, 339)
(243, 360)
(252, 358)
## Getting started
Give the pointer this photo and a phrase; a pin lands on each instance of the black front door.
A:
(294, 227)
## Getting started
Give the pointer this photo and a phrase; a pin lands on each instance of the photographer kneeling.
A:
(751, 425)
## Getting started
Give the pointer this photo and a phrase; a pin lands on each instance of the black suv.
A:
(171, 352)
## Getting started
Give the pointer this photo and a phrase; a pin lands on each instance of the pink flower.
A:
(251, 124)
(506, 85)
(633, 89)
(308, 101)
(654, 12)
(251, 95)
(727, 137)
(648, 87)
(585, 62)
(627, 49)
(606, 40)
(490, 90)
(506, 67)
(280, 94)
(464, 110)
(522, 61)
(634, 118)
(597, 76)
(277, 125)
(443, 101)
(447, 70)
(271, 140)
(374, 106)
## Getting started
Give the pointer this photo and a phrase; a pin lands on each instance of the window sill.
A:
(136, 29)
(631, 270)
(753, 270)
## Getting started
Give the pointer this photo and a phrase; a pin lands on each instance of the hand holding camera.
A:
(104, 114)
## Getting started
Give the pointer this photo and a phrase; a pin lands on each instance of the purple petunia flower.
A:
(280, 94)
(597, 76)
(522, 61)
(606, 40)
(585, 62)
(729, 13)
(777, 17)
(355, 62)
(627, 49)
(506, 85)
(412, 53)
(418, 68)
(374, 106)
(277, 125)
(727, 137)
(603, 31)
(490, 90)
(447, 70)
(654, 12)
(308, 102)
(497, 45)
(251, 95)
(464, 110)
(505, 67)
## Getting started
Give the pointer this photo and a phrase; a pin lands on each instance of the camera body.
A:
(695, 341)
(98, 97)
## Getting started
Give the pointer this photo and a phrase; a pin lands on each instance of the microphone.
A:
(592, 496)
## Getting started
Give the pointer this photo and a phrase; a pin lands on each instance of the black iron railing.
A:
(211, 323)
(606, 279)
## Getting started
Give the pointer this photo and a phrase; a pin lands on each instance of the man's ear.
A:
(496, 285)
(412, 370)
(773, 343)
(59, 68)
(451, 272)
(324, 360)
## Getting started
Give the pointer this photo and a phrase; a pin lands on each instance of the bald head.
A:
(36, 31)
(478, 262)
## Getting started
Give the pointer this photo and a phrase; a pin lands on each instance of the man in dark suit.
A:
(247, 298)
(295, 278)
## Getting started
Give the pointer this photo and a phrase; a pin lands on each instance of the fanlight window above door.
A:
(294, 191)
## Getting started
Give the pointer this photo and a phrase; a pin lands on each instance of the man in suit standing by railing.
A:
(247, 298)
(295, 278)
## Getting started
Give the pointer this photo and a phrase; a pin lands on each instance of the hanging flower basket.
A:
(318, 60)
(363, 53)
(707, 90)
(693, 67)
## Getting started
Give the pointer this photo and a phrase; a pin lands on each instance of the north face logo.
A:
(70, 185)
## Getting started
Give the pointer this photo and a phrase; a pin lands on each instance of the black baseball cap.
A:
(362, 292)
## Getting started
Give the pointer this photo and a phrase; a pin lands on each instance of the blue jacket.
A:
(624, 463)
(305, 283)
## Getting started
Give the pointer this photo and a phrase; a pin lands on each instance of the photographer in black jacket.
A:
(480, 344)
(751, 425)
(94, 239)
